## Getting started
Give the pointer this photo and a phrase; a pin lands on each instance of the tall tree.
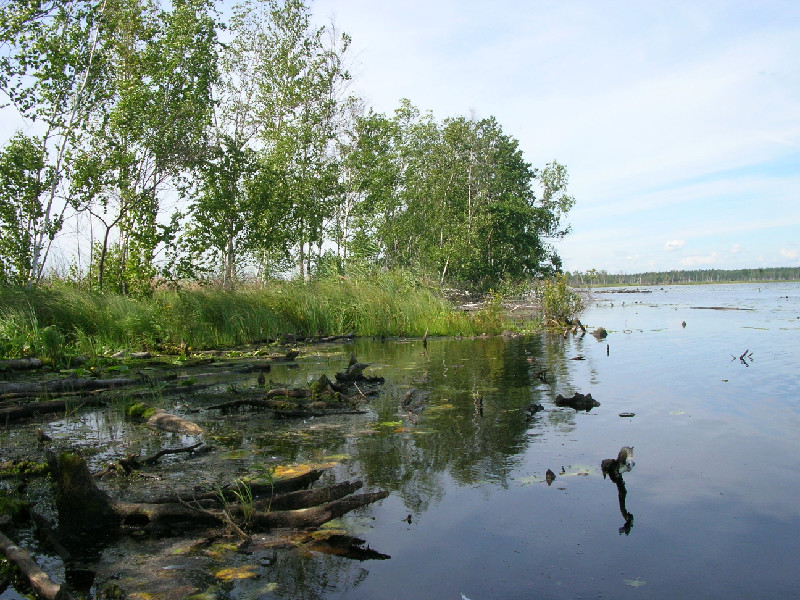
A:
(51, 72)
(151, 129)
(276, 119)
(24, 180)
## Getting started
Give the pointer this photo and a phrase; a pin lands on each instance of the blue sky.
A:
(679, 121)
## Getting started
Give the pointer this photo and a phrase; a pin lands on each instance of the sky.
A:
(679, 122)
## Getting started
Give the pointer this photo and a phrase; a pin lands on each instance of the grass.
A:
(58, 321)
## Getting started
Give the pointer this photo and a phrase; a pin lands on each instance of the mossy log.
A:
(19, 364)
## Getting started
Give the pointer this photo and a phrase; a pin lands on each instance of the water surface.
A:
(713, 493)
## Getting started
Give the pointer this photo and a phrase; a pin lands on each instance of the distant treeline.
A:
(594, 277)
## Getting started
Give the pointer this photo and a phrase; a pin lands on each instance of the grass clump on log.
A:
(59, 320)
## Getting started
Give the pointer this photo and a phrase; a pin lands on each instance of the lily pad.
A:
(285, 471)
(236, 455)
(231, 573)
(446, 406)
(529, 479)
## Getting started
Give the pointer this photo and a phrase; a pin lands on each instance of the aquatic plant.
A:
(61, 321)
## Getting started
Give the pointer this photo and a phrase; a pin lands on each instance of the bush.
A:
(560, 304)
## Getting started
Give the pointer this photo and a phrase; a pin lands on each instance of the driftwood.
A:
(69, 384)
(40, 581)
(20, 364)
(165, 421)
(132, 462)
(578, 401)
(614, 468)
(84, 508)
(16, 412)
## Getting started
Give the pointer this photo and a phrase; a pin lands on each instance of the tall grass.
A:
(62, 319)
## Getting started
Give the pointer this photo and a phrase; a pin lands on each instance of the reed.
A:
(61, 320)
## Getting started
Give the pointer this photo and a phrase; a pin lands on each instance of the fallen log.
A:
(16, 412)
(158, 418)
(306, 498)
(19, 364)
(131, 462)
(165, 421)
(40, 582)
(69, 384)
(286, 393)
(84, 509)
(314, 516)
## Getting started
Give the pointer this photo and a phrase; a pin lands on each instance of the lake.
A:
(710, 510)
(716, 441)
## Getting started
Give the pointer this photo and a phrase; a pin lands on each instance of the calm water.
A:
(713, 493)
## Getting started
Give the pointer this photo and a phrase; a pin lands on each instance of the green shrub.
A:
(560, 304)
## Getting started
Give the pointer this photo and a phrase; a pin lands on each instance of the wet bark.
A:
(40, 581)
(58, 386)
(17, 412)
(84, 508)
(20, 364)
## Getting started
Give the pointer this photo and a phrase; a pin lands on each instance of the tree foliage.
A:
(142, 105)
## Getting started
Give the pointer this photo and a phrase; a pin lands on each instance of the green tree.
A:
(151, 129)
(25, 180)
(51, 73)
(276, 120)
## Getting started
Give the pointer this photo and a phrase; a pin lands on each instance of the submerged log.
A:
(40, 582)
(158, 418)
(16, 412)
(415, 400)
(84, 508)
(70, 384)
(165, 421)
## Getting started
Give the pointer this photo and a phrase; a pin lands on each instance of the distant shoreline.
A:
(685, 283)
(763, 275)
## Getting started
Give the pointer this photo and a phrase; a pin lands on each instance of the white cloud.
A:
(736, 248)
(693, 261)
(674, 245)
(790, 254)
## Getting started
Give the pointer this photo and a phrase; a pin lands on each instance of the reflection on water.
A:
(471, 511)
